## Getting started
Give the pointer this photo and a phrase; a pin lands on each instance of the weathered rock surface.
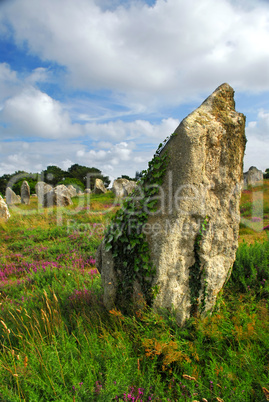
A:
(118, 188)
(72, 190)
(11, 197)
(193, 235)
(58, 196)
(123, 187)
(25, 193)
(41, 188)
(87, 191)
(4, 212)
(130, 186)
(99, 187)
(253, 176)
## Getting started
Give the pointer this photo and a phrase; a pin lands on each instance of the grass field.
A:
(58, 342)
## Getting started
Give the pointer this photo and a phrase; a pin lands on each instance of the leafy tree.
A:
(15, 181)
(4, 182)
(87, 175)
(53, 175)
(32, 179)
(138, 175)
(266, 174)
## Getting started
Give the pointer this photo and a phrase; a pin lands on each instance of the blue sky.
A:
(102, 82)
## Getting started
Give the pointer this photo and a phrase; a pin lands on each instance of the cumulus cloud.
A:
(34, 113)
(140, 131)
(114, 158)
(171, 48)
(147, 60)
(118, 160)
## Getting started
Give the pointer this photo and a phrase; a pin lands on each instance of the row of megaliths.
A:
(189, 239)
(12, 198)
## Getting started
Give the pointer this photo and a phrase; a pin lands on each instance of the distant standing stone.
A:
(25, 193)
(41, 188)
(253, 176)
(4, 212)
(72, 190)
(59, 196)
(11, 197)
(119, 189)
(99, 187)
(130, 186)
(123, 187)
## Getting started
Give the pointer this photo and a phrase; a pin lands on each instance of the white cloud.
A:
(38, 75)
(8, 82)
(34, 113)
(139, 130)
(145, 58)
(257, 147)
(173, 49)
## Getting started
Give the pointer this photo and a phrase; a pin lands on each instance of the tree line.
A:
(80, 177)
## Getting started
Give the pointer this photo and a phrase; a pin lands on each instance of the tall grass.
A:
(59, 343)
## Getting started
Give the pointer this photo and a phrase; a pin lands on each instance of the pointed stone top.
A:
(221, 98)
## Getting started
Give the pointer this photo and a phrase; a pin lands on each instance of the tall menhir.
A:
(197, 220)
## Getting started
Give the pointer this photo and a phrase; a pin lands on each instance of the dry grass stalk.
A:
(188, 377)
(3, 323)
(266, 393)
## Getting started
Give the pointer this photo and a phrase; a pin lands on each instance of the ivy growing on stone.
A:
(125, 236)
(196, 275)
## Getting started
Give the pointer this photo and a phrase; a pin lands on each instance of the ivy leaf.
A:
(108, 247)
(152, 204)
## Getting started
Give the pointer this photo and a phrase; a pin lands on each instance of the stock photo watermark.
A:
(186, 199)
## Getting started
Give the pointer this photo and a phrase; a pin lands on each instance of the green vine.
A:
(125, 237)
(196, 274)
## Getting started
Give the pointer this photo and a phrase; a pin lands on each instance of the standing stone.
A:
(72, 190)
(192, 237)
(11, 197)
(25, 193)
(130, 186)
(58, 196)
(4, 212)
(99, 187)
(253, 176)
(87, 191)
(119, 189)
(123, 187)
(41, 188)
